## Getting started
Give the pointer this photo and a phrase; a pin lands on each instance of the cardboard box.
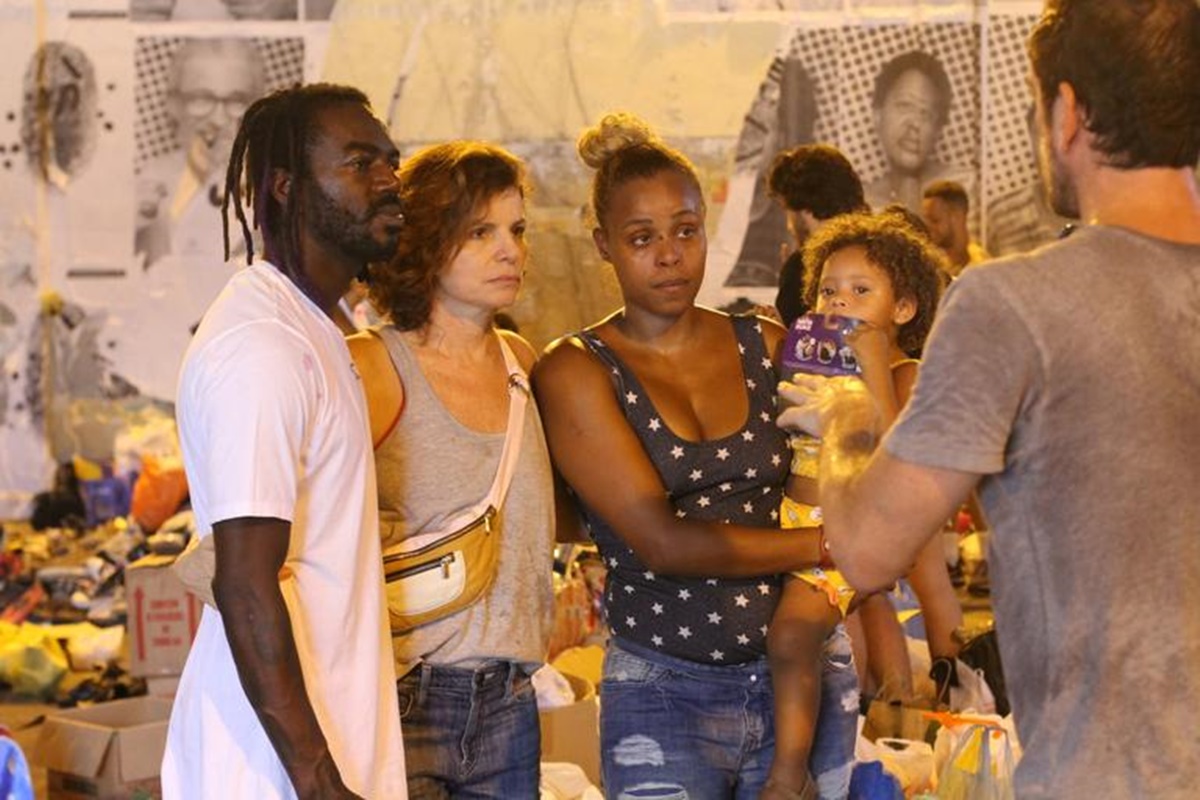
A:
(162, 685)
(572, 733)
(163, 617)
(109, 750)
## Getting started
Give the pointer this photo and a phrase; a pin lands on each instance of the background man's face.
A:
(214, 88)
(907, 122)
(799, 227)
(939, 216)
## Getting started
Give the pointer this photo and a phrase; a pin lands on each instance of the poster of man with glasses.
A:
(186, 129)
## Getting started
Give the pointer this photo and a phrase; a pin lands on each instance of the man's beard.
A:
(342, 230)
(1059, 190)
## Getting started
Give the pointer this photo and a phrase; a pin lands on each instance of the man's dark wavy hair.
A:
(816, 178)
(1135, 68)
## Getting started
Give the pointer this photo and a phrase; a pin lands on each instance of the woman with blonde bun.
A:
(661, 419)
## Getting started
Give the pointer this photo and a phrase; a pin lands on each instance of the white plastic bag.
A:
(911, 762)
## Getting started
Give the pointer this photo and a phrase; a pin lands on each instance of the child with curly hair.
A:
(879, 271)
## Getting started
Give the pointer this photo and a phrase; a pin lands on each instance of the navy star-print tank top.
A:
(739, 479)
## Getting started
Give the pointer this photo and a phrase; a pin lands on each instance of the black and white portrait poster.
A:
(895, 86)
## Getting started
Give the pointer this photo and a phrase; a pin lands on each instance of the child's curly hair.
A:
(913, 264)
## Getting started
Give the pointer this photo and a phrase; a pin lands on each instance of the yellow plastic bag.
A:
(31, 660)
(980, 768)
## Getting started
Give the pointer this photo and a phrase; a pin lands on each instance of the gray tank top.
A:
(430, 467)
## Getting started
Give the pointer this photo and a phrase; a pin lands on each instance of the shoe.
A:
(980, 585)
(944, 674)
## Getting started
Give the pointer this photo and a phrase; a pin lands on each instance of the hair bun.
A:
(612, 134)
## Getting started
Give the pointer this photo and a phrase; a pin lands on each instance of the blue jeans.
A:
(470, 733)
(677, 730)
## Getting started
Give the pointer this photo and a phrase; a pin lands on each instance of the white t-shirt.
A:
(273, 423)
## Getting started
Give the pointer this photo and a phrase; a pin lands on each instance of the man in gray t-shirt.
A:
(1066, 384)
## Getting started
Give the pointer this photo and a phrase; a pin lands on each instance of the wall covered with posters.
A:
(117, 116)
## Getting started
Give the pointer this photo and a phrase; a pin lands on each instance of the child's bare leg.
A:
(858, 645)
(802, 622)
(887, 648)
(930, 581)
(943, 615)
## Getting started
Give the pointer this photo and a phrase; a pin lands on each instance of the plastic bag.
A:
(983, 653)
(15, 782)
(31, 660)
(973, 694)
(160, 488)
(152, 432)
(886, 720)
(980, 767)
(911, 762)
(870, 781)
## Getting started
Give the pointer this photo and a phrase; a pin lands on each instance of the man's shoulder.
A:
(252, 315)
(1077, 264)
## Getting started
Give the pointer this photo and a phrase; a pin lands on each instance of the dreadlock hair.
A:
(275, 134)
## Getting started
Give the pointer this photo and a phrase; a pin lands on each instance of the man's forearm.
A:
(852, 426)
(260, 637)
(852, 430)
(878, 510)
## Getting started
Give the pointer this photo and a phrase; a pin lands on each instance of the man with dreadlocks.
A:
(289, 689)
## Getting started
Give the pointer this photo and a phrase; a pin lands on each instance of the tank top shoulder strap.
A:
(419, 396)
(621, 376)
(757, 366)
(402, 358)
(748, 330)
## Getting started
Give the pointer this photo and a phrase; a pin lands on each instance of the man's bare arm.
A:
(879, 511)
(250, 553)
(877, 521)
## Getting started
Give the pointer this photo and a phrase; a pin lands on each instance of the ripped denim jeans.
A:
(677, 730)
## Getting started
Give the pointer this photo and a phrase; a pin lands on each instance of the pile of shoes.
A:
(113, 683)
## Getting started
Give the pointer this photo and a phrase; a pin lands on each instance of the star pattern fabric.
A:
(738, 478)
